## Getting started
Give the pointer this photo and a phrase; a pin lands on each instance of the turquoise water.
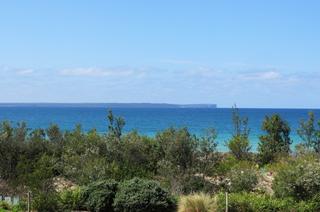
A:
(149, 121)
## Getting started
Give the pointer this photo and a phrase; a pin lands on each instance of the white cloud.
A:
(265, 75)
(97, 72)
(25, 71)
(223, 74)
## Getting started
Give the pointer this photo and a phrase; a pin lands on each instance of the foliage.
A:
(177, 146)
(242, 179)
(10, 148)
(177, 156)
(56, 138)
(115, 126)
(250, 202)
(314, 203)
(299, 180)
(37, 176)
(276, 142)
(309, 134)
(207, 158)
(4, 205)
(228, 163)
(137, 156)
(240, 124)
(72, 199)
(142, 195)
(198, 184)
(84, 157)
(46, 201)
(196, 203)
(99, 196)
(239, 144)
(181, 162)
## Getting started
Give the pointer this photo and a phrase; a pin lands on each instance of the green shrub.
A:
(299, 180)
(239, 146)
(99, 196)
(196, 203)
(142, 195)
(46, 201)
(315, 202)
(19, 208)
(197, 184)
(251, 202)
(4, 205)
(230, 162)
(276, 142)
(243, 179)
(72, 199)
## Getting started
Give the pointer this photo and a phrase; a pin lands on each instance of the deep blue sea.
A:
(149, 121)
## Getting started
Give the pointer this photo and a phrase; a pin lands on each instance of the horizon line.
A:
(155, 103)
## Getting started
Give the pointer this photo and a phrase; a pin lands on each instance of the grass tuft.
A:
(197, 203)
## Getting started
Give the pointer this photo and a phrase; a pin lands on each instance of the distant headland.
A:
(110, 105)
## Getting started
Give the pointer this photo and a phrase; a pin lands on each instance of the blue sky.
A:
(253, 53)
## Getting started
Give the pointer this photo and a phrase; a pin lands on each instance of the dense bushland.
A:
(131, 172)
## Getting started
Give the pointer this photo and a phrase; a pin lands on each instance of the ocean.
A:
(149, 121)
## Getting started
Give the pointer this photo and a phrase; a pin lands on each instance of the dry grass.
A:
(197, 203)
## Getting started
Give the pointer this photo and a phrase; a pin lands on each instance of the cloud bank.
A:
(254, 87)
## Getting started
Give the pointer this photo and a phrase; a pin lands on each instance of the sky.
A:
(252, 53)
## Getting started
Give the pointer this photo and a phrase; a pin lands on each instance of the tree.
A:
(139, 156)
(115, 126)
(240, 124)
(37, 145)
(309, 134)
(20, 132)
(277, 140)
(40, 182)
(10, 151)
(40, 177)
(239, 144)
(38, 135)
(54, 134)
(178, 147)
(207, 156)
(84, 156)
(177, 156)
